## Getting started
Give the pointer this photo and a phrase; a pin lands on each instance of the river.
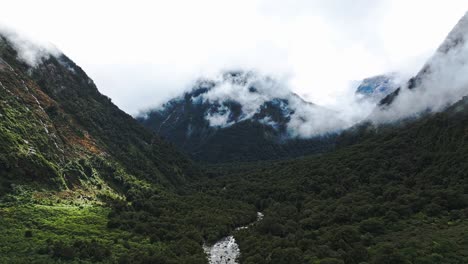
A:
(226, 250)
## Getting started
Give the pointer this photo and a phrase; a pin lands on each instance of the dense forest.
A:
(397, 195)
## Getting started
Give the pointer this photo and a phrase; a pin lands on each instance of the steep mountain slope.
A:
(53, 115)
(73, 167)
(242, 116)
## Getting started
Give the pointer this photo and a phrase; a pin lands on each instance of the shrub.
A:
(28, 233)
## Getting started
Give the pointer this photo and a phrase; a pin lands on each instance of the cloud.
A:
(266, 89)
(145, 52)
(30, 51)
(441, 82)
(252, 91)
(309, 121)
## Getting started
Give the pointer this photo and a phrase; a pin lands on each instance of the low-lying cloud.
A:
(251, 91)
(30, 51)
(442, 81)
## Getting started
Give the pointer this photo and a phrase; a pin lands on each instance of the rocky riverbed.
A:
(226, 250)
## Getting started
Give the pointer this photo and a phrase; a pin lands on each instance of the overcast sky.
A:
(141, 53)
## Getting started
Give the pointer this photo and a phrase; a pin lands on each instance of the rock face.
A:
(58, 131)
(226, 250)
(242, 116)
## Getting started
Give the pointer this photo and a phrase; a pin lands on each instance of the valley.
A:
(237, 169)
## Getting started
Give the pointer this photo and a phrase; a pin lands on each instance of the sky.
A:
(142, 53)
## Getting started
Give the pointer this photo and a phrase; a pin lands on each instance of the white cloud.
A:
(251, 90)
(29, 50)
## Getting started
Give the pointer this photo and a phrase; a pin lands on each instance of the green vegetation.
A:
(55, 233)
(163, 230)
(182, 223)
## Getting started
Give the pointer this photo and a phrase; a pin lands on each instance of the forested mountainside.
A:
(68, 156)
(398, 196)
(53, 117)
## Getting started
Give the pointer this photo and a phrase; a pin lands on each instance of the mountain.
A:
(56, 126)
(82, 181)
(244, 116)
(241, 116)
